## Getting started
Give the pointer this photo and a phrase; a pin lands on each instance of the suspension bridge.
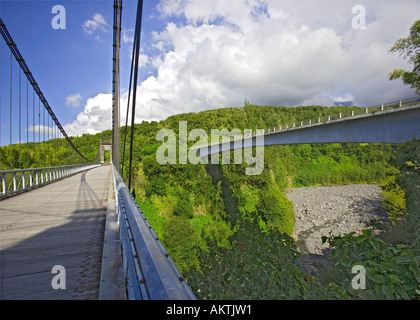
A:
(78, 233)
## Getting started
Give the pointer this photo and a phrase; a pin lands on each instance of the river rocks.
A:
(336, 209)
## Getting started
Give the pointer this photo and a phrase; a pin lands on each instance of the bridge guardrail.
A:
(150, 272)
(20, 180)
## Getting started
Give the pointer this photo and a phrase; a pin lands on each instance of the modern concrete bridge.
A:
(396, 125)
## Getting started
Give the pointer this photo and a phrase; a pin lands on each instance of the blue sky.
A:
(205, 54)
(73, 61)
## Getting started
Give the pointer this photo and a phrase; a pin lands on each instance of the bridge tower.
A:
(116, 86)
(105, 145)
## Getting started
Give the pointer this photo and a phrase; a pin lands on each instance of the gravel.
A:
(336, 209)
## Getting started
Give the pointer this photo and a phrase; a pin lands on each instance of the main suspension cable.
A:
(15, 51)
(136, 68)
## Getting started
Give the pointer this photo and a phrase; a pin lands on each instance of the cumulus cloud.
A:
(73, 100)
(273, 52)
(213, 54)
(96, 116)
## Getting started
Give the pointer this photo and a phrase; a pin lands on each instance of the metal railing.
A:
(20, 180)
(150, 272)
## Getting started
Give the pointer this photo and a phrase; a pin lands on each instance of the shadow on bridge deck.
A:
(59, 224)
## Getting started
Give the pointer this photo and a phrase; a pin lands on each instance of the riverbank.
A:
(336, 209)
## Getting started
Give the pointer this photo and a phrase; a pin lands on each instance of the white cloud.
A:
(73, 100)
(213, 54)
(96, 24)
(272, 52)
(96, 116)
(127, 35)
(39, 128)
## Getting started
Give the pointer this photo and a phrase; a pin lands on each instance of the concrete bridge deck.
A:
(59, 224)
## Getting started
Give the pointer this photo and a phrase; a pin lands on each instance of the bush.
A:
(393, 272)
(182, 243)
(394, 203)
(393, 197)
(218, 232)
(183, 208)
(276, 210)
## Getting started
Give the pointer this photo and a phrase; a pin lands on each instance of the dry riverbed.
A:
(337, 209)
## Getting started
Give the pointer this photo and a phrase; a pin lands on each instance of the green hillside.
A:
(231, 234)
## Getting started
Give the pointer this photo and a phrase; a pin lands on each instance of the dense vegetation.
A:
(50, 153)
(391, 260)
(178, 197)
(231, 234)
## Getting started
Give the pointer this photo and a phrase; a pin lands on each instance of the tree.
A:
(409, 48)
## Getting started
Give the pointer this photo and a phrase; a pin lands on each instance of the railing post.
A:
(30, 178)
(14, 182)
(23, 180)
(3, 183)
